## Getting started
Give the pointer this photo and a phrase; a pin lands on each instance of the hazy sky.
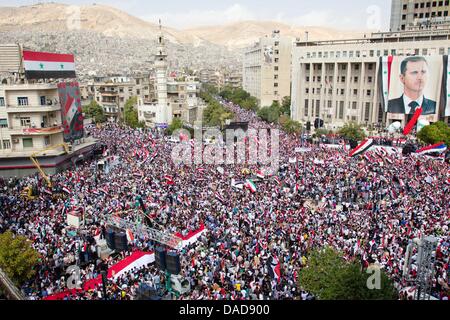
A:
(345, 14)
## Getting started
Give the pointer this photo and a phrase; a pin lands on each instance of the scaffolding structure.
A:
(425, 260)
(140, 229)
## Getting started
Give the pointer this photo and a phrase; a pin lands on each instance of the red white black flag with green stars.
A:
(44, 65)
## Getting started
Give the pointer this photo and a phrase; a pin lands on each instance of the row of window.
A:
(375, 53)
(330, 79)
(341, 67)
(428, 4)
(23, 101)
(26, 143)
(338, 91)
(428, 15)
(339, 109)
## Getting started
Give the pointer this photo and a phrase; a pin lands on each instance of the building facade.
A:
(337, 81)
(267, 69)
(422, 14)
(30, 122)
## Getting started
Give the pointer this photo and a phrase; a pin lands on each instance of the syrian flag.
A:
(130, 236)
(201, 170)
(66, 190)
(169, 180)
(250, 185)
(438, 147)
(219, 197)
(104, 190)
(363, 147)
(44, 65)
(277, 180)
(274, 268)
(385, 78)
(260, 174)
(47, 191)
(237, 184)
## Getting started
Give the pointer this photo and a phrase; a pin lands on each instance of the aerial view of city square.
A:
(224, 151)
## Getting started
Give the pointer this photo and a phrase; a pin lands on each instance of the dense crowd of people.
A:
(368, 208)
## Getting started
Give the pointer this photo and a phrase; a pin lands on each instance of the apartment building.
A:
(421, 14)
(337, 81)
(267, 69)
(30, 122)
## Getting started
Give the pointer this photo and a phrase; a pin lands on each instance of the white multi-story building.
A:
(337, 81)
(409, 14)
(267, 69)
(30, 122)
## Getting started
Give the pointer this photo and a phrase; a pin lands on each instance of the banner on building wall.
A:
(72, 116)
(408, 83)
(268, 54)
(446, 87)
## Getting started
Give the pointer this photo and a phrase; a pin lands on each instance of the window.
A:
(341, 110)
(275, 93)
(356, 66)
(275, 76)
(307, 90)
(46, 140)
(2, 102)
(355, 92)
(343, 79)
(277, 60)
(354, 106)
(25, 122)
(367, 112)
(319, 79)
(370, 66)
(276, 68)
(369, 93)
(306, 107)
(3, 123)
(369, 79)
(27, 142)
(330, 104)
(277, 43)
(355, 79)
(43, 102)
(307, 79)
(317, 108)
(371, 53)
(342, 91)
(425, 52)
(22, 101)
(6, 144)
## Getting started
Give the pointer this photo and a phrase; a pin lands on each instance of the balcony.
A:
(28, 109)
(35, 131)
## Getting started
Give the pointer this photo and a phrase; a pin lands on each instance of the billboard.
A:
(72, 115)
(411, 82)
(268, 54)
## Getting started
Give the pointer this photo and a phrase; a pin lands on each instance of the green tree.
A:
(17, 257)
(94, 111)
(131, 114)
(435, 133)
(291, 126)
(270, 114)
(286, 106)
(352, 131)
(175, 125)
(329, 277)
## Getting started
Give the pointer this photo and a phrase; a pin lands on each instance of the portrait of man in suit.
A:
(414, 72)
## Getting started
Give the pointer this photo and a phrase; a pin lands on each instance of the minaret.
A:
(161, 76)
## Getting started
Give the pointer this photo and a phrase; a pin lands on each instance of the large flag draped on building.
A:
(44, 65)
(72, 114)
(385, 79)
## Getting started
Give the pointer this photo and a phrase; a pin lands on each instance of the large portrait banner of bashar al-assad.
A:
(412, 82)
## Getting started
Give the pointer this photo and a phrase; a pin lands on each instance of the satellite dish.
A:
(394, 127)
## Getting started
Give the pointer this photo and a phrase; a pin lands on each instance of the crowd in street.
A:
(368, 208)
